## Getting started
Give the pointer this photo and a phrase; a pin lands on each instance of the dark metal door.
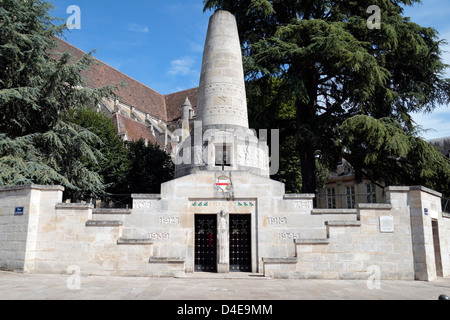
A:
(240, 243)
(206, 243)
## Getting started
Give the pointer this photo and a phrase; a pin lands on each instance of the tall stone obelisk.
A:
(222, 98)
(220, 140)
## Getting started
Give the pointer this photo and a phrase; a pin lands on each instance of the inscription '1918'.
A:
(277, 220)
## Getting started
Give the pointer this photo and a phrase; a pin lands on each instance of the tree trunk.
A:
(308, 163)
(306, 113)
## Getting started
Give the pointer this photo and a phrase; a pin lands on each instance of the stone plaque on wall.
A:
(387, 224)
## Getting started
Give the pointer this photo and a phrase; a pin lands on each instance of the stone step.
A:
(123, 241)
(228, 276)
(110, 214)
(104, 223)
(344, 223)
(335, 211)
(286, 260)
(312, 241)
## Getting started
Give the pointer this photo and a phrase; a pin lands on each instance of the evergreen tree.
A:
(333, 67)
(114, 164)
(150, 167)
(381, 150)
(36, 88)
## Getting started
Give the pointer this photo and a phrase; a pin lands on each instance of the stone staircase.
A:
(349, 218)
(113, 220)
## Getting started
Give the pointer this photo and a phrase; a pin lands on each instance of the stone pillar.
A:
(223, 242)
(425, 206)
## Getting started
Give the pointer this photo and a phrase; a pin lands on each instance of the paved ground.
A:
(245, 287)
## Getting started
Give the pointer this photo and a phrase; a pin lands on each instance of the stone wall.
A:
(53, 237)
(289, 239)
(387, 241)
(21, 209)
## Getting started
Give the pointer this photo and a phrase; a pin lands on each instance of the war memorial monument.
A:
(222, 213)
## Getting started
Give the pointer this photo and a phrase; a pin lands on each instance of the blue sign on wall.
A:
(19, 211)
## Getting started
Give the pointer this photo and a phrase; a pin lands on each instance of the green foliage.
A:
(150, 167)
(114, 164)
(36, 144)
(381, 150)
(330, 67)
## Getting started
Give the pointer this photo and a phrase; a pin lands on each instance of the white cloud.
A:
(195, 47)
(137, 28)
(182, 67)
(436, 123)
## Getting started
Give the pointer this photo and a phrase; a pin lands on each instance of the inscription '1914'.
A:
(142, 204)
(169, 220)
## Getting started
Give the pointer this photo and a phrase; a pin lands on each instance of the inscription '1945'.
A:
(289, 236)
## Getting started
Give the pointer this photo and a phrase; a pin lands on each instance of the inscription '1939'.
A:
(159, 236)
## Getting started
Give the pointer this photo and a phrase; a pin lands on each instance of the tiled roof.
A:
(133, 94)
(134, 129)
(175, 101)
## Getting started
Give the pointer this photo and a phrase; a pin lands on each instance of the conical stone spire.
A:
(186, 109)
(222, 97)
(221, 140)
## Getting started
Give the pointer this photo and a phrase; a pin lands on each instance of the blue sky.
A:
(160, 43)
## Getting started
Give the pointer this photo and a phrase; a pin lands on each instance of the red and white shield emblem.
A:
(223, 184)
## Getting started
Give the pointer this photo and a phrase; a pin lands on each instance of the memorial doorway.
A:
(206, 243)
(240, 243)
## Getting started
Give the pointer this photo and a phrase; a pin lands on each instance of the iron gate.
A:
(240, 243)
(206, 243)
